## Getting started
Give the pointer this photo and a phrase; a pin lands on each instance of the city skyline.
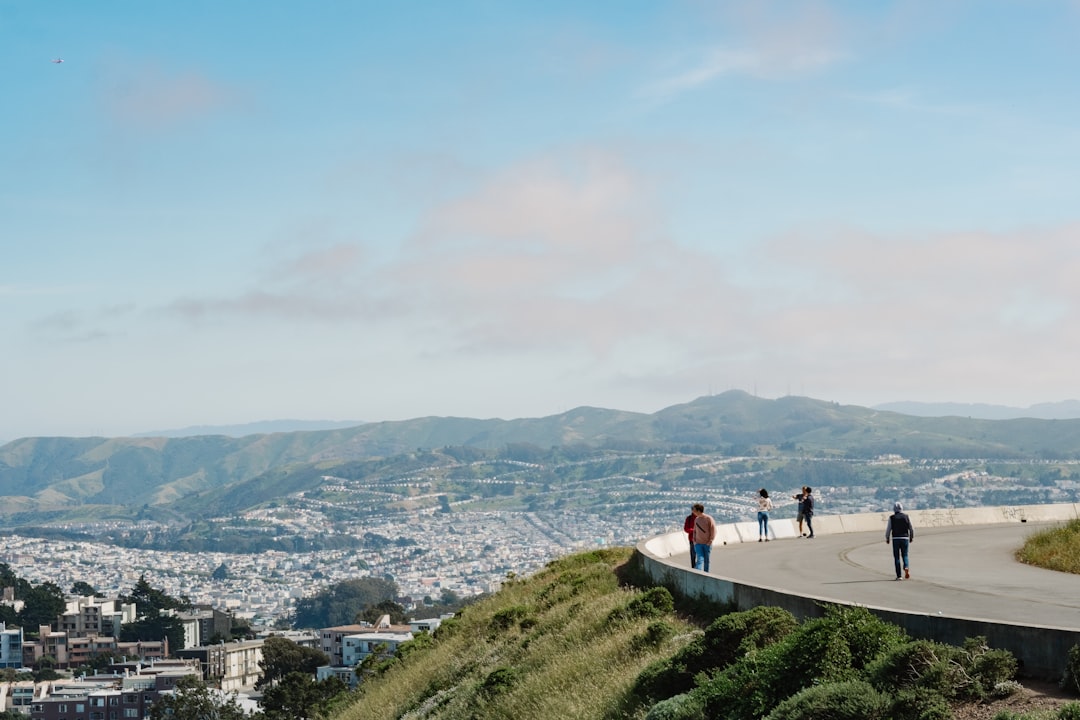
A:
(220, 214)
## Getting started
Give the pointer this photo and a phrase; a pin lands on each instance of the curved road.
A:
(961, 571)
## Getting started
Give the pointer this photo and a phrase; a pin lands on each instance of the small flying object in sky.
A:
(58, 60)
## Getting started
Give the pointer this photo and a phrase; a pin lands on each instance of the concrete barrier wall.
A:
(1042, 651)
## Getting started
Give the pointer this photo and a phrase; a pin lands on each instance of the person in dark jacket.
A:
(808, 510)
(900, 531)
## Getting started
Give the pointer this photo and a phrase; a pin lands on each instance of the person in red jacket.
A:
(688, 528)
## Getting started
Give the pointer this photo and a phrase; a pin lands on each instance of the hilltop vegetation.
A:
(176, 480)
(577, 640)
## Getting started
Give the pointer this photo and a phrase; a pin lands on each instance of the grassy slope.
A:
(561, 644)
(550, 636)
(1055, 549)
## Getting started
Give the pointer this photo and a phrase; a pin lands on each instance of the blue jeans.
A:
(899, 550)
(702, 551)
(810, 524)
(763, 523)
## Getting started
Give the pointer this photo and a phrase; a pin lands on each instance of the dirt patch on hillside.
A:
(1035, 695)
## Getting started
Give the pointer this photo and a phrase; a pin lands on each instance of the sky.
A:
(223, 212)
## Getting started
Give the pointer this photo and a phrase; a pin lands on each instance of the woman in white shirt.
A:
(764, 506)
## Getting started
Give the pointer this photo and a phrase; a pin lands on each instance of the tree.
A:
(340, 603)
(194, 701)
(44, 603)
(372, 613)
(151, 624)
(221, 572)
(281, 656)
(298, 696)
(84, 589)
(163, 627)
(149, 601)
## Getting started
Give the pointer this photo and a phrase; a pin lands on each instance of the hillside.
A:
(46, 480)
(578, 640)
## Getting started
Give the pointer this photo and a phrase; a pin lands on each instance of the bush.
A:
(970, 673)
(658, 632)
(853, 700)
(830, 649)
(726, 640)
(1069, 711)
(499, 680)
(681, 707)
(919, 704)
(508, 618)
(1071, 680)
(988, 667)
(653, 603)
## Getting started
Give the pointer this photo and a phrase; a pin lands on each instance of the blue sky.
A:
(222, 212)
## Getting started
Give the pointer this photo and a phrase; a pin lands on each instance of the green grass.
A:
(1055, 549)
(567, 642)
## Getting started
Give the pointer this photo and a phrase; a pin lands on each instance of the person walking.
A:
(704, 534)
(808, 510)
(764, 506)
(799, 497)
(900, 530)
(688, 528)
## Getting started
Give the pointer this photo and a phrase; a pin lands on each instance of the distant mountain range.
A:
(253, 428)
(74, 479)
(1065, 410)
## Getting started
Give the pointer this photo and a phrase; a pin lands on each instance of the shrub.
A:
(971, 672)
(508, 618)
(653, 603)
(1071, 680)
(726, 640)
(658, 632)
(1069, 711)
(1006, 688)
(732, 636)
(498, 680)
(830, 649)
(989, 667)
(681, 707)
(919, 704)
(853, 700)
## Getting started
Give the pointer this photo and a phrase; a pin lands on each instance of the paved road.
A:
(966, 572)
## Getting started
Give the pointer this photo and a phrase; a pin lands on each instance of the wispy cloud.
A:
(143, 95)
(788, 41)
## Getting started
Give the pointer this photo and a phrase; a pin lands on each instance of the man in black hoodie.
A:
(902, 534)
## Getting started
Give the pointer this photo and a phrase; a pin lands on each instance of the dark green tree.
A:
(281, 656)
(298, 696)
(372, 613)
(149, 601)
(44, 603)
(339, 604)
(163, 627)
(221, 572)
(84, 589)
(150, 623)
(194, 701)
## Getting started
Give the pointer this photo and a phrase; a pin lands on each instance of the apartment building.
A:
(348, 645)
(109, 697)
(229, 666)
(72, 652)
(86, 616)
(205, 625)
(11, 646)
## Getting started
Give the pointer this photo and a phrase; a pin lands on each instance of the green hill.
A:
(579, 640)
(71, 479)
